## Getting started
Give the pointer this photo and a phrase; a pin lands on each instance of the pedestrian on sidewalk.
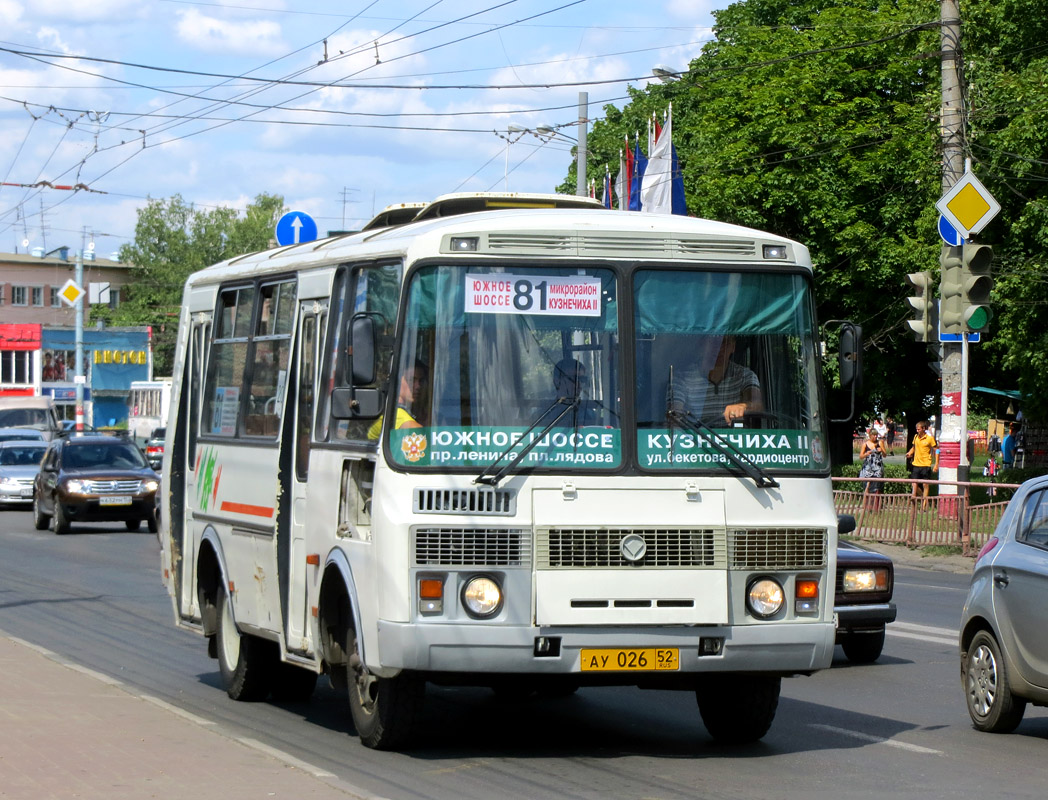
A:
(925, 459)
(872, 455)
(890, 435)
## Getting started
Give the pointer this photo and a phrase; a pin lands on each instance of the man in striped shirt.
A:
(720, 394)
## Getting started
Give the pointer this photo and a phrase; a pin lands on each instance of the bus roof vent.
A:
(482, 501)
(531, 243)
(721, 247)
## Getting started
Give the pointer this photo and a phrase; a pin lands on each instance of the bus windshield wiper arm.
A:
(569, 403)
(686, 419)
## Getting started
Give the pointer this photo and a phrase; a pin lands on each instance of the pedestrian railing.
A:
(946, 518)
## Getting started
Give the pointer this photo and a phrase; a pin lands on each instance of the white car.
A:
(19, 464)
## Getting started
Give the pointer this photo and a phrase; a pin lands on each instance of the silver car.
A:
(1004, 627)
(19, 464)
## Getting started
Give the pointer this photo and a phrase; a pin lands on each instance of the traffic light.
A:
(965, 288)
(925, 324)
(951, 290)
(975, 275)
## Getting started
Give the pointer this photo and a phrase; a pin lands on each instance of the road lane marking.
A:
(865, 737)
(924, 633)
(963, 590)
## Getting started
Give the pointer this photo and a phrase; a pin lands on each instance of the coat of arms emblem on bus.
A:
(414, 447)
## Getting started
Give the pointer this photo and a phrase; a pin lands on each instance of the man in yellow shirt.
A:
(925, 458)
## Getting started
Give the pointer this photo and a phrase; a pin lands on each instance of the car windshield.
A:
(102, 456)
(14, 417)
(27, 456)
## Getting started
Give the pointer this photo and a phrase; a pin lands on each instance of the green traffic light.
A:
(979, 317)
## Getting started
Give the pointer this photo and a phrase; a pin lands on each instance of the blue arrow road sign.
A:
(949, 234)
(295, 227)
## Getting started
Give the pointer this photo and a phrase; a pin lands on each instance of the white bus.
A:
(148, 404)
(378, 469)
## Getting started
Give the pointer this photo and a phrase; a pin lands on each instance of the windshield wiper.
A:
(569, 403)
(685, 419)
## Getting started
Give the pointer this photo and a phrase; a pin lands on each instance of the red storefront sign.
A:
(20, 337)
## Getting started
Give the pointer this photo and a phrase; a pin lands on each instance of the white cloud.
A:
(213, 35)
(697, 12)
(86, 11)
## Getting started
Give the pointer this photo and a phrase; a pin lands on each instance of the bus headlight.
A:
(765, 597)
(482, 597)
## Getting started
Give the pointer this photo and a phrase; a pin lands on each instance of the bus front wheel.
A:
(738, 709)
(246, 662)
(384, 710)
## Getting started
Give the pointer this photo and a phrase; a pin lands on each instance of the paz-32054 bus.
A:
(530, 448)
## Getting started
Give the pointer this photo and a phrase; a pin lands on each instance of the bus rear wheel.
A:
(738, 709)
(246, 662)
(384, 710)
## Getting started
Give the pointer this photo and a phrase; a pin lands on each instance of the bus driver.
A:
(718, 392)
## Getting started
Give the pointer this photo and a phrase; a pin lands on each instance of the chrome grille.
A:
(560, 548)
(113, 487)
(777, 548)
(483, 501)
(472, 547)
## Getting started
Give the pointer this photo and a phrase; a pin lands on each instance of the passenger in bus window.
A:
(714, 387)
(413, 382)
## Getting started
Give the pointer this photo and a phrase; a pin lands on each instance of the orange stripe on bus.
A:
(245, 508)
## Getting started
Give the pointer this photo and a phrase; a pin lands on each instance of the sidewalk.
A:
(68, 732)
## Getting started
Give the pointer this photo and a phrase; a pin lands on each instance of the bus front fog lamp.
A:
(765, 597)
(482, 597)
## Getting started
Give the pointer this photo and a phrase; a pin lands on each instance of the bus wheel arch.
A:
(209, 585)
(334, 619)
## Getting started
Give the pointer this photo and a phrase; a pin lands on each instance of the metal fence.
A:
(944, 518)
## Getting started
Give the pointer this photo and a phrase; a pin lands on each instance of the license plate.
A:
(27, 492)
(115, 500)
(642, 659)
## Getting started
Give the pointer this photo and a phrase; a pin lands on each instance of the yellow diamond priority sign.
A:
(70, 292)
(968, 206)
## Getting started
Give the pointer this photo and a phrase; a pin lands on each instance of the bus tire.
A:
(738, 709)
(246, 662)
(293, 684)
(40, 520)
(384, 710)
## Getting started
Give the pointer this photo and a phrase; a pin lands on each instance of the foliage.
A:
(894, 471)
(172, 240)
(819, 120)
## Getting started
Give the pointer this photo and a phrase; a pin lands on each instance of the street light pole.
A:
(78, 376)
(580, 171)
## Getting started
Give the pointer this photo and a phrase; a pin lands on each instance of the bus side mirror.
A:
(851, 356)
(363, 345)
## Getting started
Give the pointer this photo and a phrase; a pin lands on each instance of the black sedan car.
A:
(94, 478)
(863, 601)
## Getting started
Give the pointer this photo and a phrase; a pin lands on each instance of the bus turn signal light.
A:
(430, 596)
(807, 597)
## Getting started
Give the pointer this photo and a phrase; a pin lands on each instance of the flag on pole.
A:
(640, 164)
(620, 183)
(628, 182)
(662, 191)
(607, 187)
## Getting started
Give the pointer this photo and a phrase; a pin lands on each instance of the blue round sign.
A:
(948, 233)
(295, 228)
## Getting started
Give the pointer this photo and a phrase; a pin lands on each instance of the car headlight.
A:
(150, 486)
(869, 579)
(8, 482)
(765, 597)
(76, 487)
(482, 597)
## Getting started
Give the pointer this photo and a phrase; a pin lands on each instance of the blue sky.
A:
(222, 101)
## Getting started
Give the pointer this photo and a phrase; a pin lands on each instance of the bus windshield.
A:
(494, 359)
(491, 352)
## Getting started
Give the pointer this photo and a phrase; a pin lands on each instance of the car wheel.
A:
(991, 704)
(40, 519)
(384, 710)
(738, 709)
(863, 647)
(133, 524)
(59, 520)
(246, 662)
(152, 524)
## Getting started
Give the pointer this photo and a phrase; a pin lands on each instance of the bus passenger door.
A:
(300, 573)
(185, 472)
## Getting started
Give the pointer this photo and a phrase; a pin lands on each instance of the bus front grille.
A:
(472, 547)
(777, 548)
(602, 548)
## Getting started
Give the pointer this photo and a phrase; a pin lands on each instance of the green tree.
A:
(172, 240)
(819, 120)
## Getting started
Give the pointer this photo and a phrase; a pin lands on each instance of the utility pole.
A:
(79, 378)
(953, 423)
(580, 170)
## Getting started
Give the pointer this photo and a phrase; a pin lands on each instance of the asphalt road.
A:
(897, 728)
